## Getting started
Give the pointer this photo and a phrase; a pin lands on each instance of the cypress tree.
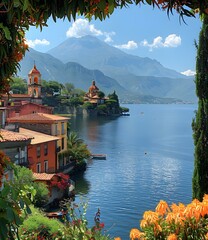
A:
(200, 123)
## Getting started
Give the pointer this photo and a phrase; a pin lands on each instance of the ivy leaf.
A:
(25, 5)
(149, 2)
(6, 31)
(28, 209)
(21, 203)
(10, 214)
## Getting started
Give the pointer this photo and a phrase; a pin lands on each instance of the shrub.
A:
(37, 225)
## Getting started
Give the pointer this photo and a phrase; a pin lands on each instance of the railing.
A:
(69, 165)
(23, 164)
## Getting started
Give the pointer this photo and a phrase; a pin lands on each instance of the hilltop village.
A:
(33, 137)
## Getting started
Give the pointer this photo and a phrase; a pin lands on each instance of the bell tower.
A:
(34, 85)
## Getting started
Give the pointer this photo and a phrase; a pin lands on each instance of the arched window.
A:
(36, 80)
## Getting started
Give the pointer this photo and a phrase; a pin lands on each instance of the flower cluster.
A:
(174, 222)
(61, 182)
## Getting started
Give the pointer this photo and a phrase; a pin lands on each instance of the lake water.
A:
(150, 156)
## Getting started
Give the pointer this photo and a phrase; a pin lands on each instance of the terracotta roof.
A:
(43, 176)
(34, 70)
(9, 136)
(16, 95)
(37, 118)
(37, 136)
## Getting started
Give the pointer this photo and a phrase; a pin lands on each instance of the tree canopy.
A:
(16, 16)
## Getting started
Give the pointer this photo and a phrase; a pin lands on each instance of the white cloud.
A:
(129, 45)
(108, 36)
(188, 73)
(34, 43)
(82, 27)
(170, 41)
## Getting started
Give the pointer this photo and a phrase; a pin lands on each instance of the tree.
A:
(24, 176)
(18, 85)
(76, 148)
(101, 94)
(200, 123)
(14, 202)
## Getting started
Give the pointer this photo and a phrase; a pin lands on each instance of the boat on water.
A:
(98, 156)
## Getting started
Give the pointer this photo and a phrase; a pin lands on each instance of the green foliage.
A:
(76, 149)
(24, 177)
(78, 228)
(41, 196)
(111, 102)
(102, 107)
(37, 224)
(88, 105)
(200, 123)
(76, 101)
(18, 85)
(124, 109)
(101, 94)
(14, 201)
(49, 87)
(113, 96)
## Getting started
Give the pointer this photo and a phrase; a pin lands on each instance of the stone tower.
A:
(34, 85)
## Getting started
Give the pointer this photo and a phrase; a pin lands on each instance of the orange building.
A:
(42, 154)
(48, 124)
(92, 95)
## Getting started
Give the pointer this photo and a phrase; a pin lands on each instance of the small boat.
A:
(58, 214)
(98, 156)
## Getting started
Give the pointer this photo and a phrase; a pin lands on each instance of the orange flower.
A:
(151, 216)
(170, 217)
(143, 223)
(162, 207)
(135, 234)
(172, 236)
(117, 238)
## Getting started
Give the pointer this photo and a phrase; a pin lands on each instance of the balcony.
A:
(67, 168)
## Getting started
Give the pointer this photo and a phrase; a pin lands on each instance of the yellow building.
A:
(46, 123)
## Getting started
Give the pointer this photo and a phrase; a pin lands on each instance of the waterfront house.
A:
(48, 124)
(92, 95)
(42, 156)
(14, 145)
(57, 184)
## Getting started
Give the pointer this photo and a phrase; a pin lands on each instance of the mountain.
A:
(141, 76)
(53, 69)
(134, 79)
(93, 53)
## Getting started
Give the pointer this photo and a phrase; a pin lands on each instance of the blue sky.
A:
(138, 30)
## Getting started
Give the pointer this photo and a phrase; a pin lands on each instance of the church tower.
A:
(34, 85)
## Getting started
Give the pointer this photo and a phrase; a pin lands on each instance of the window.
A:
(46, 166)
(62, 128)
(62, 143)
(38, 167)
(45, 149)
(56, 129)
(38, 151)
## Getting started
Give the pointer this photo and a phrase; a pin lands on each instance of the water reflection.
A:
(149, 157)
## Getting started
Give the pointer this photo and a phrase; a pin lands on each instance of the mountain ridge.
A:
(119, 74)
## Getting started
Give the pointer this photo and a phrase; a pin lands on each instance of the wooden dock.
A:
(98, 156)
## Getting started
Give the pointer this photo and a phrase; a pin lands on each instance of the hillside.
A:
(134, 79)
